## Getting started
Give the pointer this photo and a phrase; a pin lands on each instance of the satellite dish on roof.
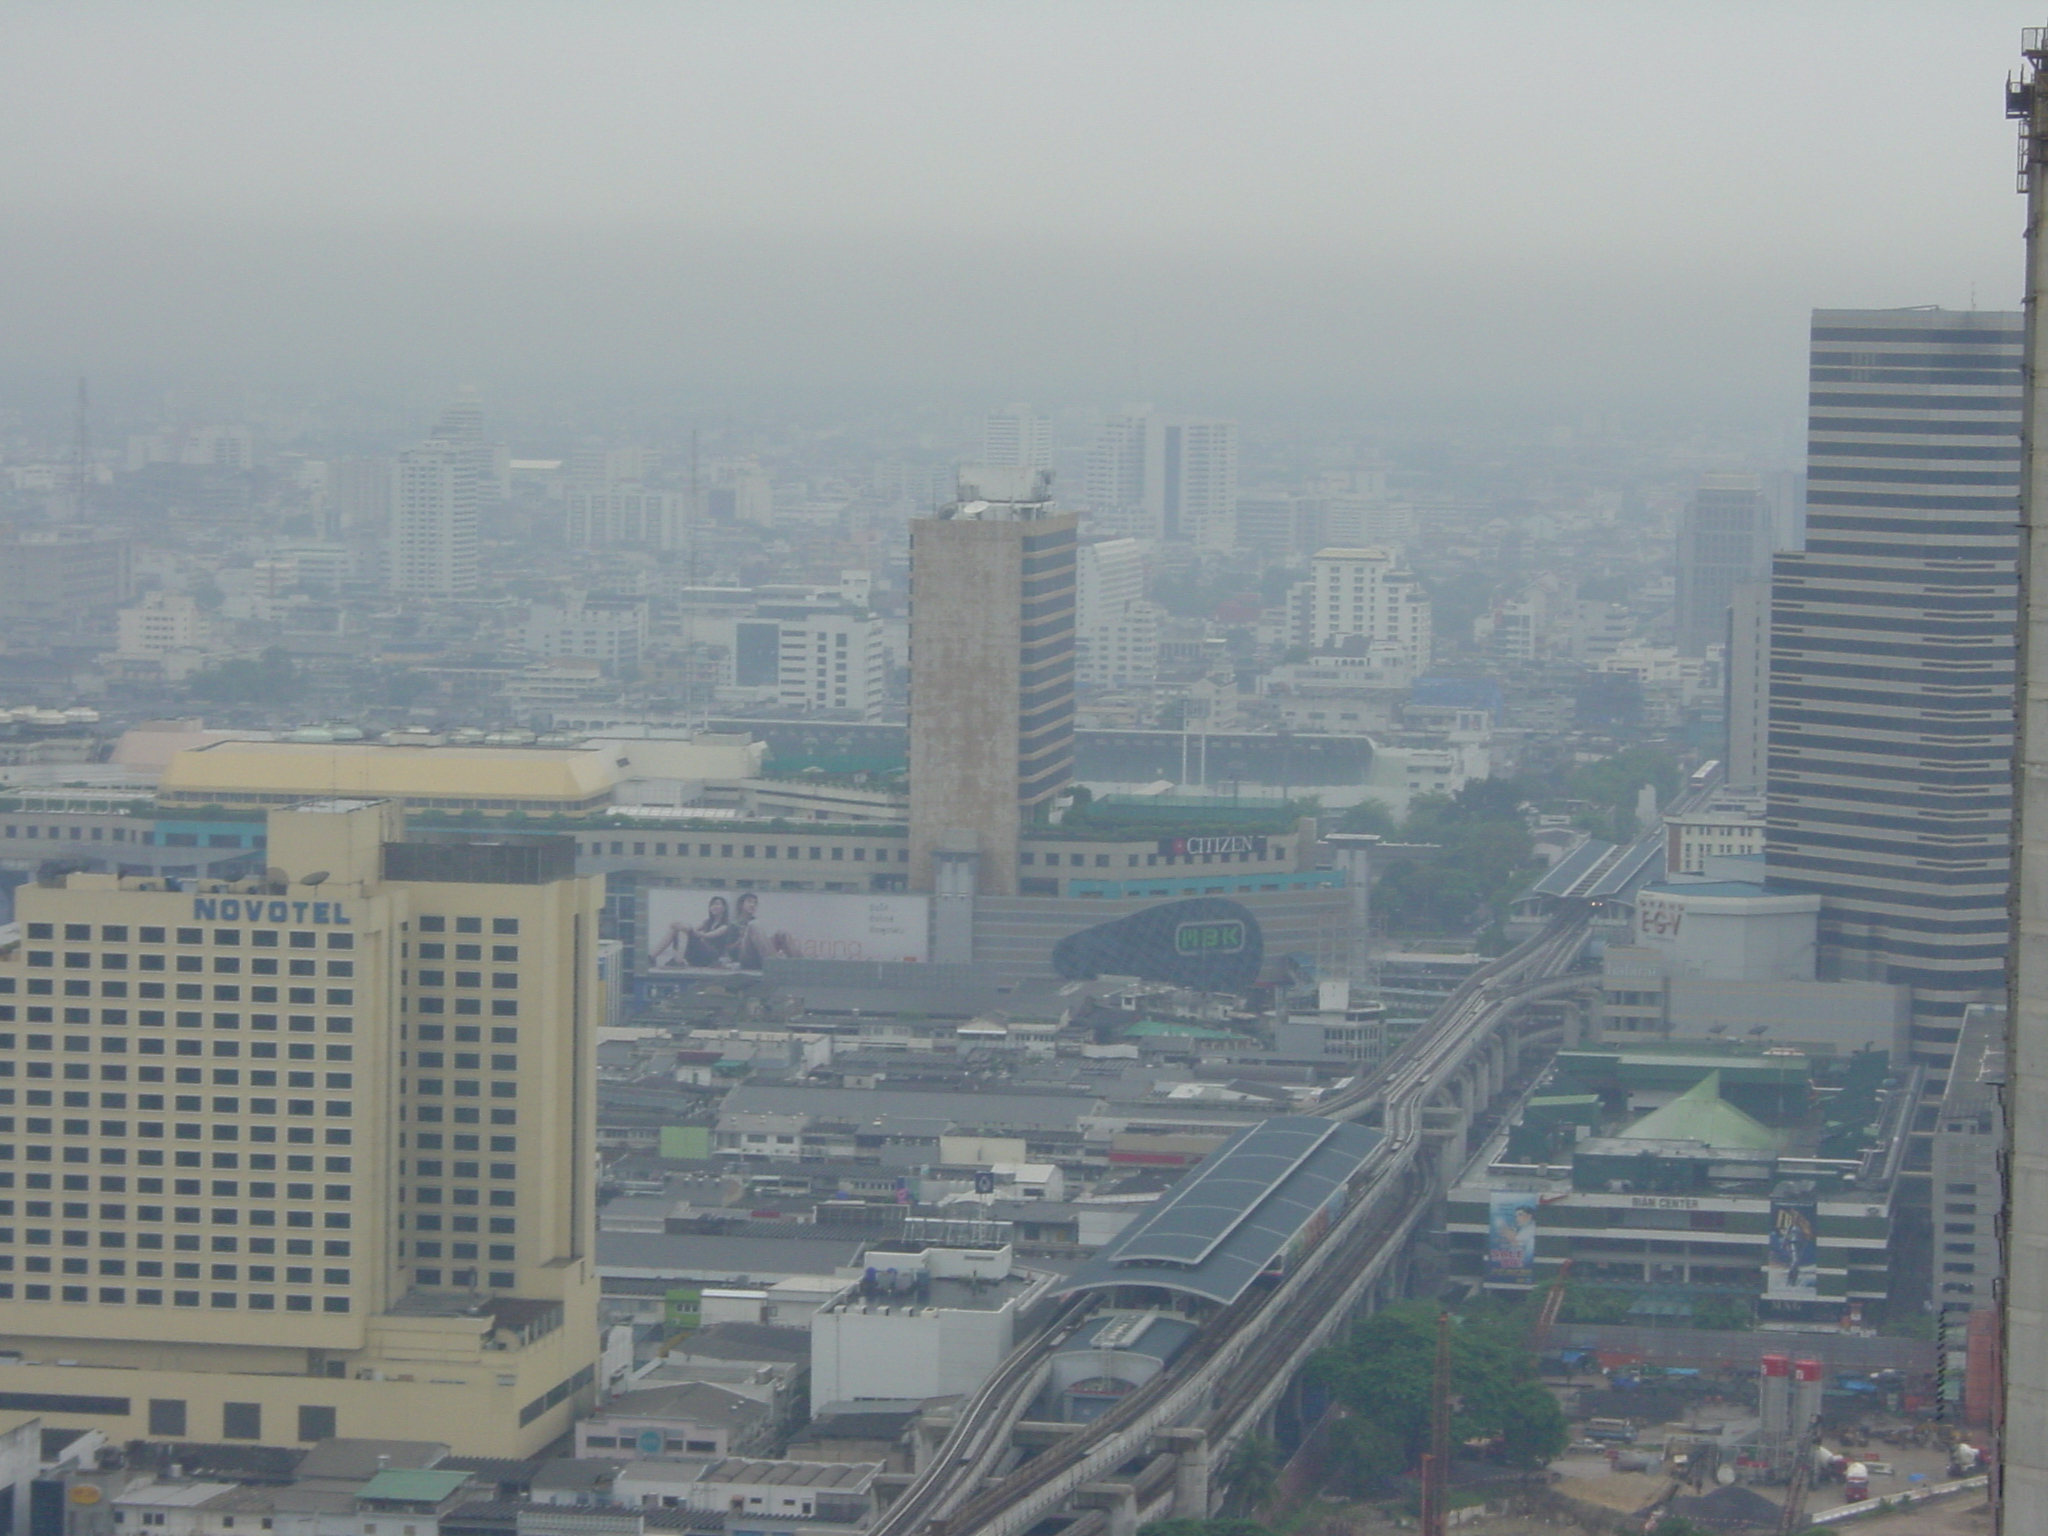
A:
(314, 878)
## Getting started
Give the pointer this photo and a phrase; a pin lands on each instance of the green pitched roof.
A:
(1701, 1114)
(412, 1486)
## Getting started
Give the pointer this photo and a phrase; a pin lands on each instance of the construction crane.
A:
(1801, 1482)
(1436, 1461)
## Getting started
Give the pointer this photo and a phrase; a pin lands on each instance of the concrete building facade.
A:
(991, 670)
(1724, 540)
(433, 521)
(284, 1165)
(1892, 657)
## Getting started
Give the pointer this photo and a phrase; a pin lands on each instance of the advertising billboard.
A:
(1791, 1260)
(1658, 918)
(1511, 1235)
(1205, 942)
(691, 930)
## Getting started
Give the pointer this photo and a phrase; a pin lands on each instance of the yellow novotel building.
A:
(308, 1155)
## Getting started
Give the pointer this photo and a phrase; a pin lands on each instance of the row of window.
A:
(223, 965)
(747, 851)
(1152, 860)
(183, 991)
(115, 1295)
(260, 938)
(501, 1007)
(153, 1045)
(504, 954)
(152, 1018)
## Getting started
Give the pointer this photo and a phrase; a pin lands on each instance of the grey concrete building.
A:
(991, 672)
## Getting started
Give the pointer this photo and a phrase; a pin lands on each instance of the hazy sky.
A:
(1533, 206)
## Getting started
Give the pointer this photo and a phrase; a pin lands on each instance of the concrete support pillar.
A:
(1352, 853)
(1119, 1501)
(1191, 1472)
(956, 869)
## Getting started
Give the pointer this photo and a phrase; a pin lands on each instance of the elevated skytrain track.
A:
(1246, 1354)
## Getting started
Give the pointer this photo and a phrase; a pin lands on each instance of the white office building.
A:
(1167, 478)
(1364, 595)
(833, 661)
(1116, 631)
(433, 521)
(1017, 436)
(607, 514)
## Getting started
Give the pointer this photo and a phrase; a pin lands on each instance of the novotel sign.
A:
(1236, 842)
(254, 909)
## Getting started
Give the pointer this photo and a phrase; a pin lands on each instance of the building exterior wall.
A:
(1892, 658)
(991, 682)
(305, 1245)
(900, 1351)
(1723, 541)
(433, 522)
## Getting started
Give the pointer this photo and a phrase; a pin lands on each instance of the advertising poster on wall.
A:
(1511, 1235)
(1204, 942)
(695, 931)
(1791, 1260)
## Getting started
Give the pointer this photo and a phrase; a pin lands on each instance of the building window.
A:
(241, 1421)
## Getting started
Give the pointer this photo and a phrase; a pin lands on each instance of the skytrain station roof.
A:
(1241, 1209)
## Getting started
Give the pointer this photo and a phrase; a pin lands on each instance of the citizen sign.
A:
(1234, 843)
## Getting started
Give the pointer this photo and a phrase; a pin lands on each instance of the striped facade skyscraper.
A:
(1892, 657)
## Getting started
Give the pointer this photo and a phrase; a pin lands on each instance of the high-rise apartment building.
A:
(594, 516)
(1892, 659)
(1724, 539)
(1017, 437)
(1166, 478)
(991, 670)
(1116, 630)
(310, 1154)
(433, 521)
(1364, 594)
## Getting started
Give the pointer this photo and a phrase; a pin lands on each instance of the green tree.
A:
(1612, 783)
(1252, 1472)
(1385, 1375)
(1369, 816)
(270, 679)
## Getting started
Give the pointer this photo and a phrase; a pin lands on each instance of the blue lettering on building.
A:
(236, 909)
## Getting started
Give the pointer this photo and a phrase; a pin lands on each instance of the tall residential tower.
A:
(1892, 657)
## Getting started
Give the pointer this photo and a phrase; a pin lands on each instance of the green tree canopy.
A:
(1385, 1373)
(270, 679)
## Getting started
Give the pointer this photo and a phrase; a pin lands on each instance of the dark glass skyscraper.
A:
(1892, 657)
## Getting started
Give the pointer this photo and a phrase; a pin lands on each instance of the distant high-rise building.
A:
(462, 427)
(1166, 478)
(1892, 657)
(1365, 594)
(597, 515)
(1725, 538)
(1016, 436)
(833, 660)
(391, 1163)
(359, 493)
(432, 550)
(1116, 630)
(991, 671)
